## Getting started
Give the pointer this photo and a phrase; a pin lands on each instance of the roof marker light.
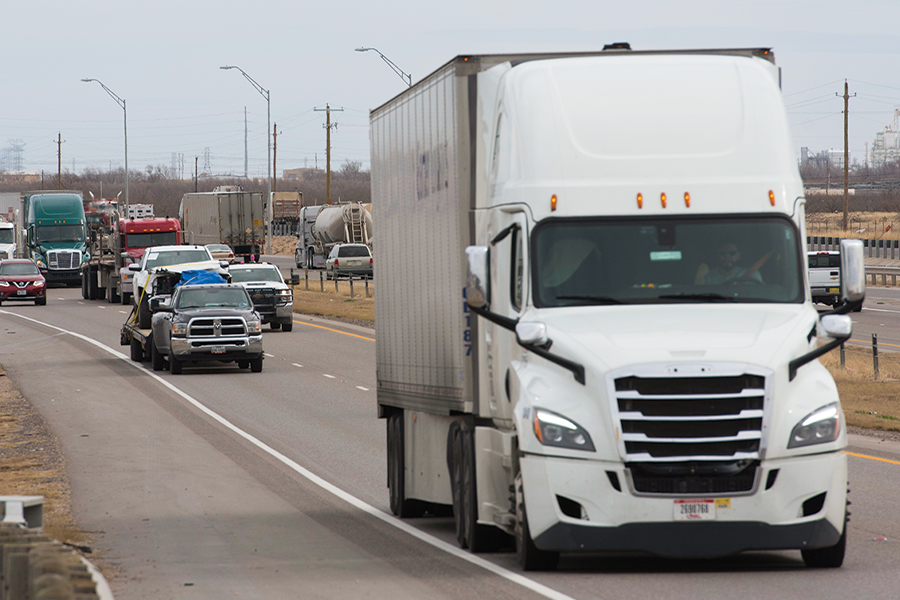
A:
(552, 202)
(640, 199)
(771, 197)
(687, 199)
(662, 198)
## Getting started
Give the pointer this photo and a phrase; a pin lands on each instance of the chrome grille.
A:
(217, 327)
(63, 259)
(683, 418)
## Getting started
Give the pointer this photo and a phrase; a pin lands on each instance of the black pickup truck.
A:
(202, 323)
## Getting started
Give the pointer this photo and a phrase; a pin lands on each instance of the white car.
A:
(168, 258)
(272, 298)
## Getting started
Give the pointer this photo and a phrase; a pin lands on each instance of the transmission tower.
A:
(207, 168)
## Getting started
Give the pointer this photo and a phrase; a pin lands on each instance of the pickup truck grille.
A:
(263, 300)
(217, 327)
(63, 259)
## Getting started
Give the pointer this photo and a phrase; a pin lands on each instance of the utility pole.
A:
(59, 161)
(328, 126)
(274, 157)
(245, 143)
(846, 153)
(196, 172)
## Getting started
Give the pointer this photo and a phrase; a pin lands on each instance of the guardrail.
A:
(884, 272)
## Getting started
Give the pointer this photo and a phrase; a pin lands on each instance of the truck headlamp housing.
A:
(552, 429)
(819, 427)
(254, 327)
(179, 328)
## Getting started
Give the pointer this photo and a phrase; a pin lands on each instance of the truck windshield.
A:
(582, 262)
(218, 298)
(175, 257)
(7, 236)
(59, 233)
(146, 240)
(245, 274)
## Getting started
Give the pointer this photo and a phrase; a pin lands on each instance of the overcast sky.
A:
(163, 58)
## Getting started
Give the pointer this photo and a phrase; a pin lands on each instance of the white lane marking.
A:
(329, 376)
(269, 355)
(365, 389)
(60, 298)
(296, 365)
(123, 312)
(882, 310)
(101, 307)
(328, 487)
(81, 303)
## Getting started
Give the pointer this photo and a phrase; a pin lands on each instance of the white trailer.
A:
(594, 328)
(227, 215)
(322, 227)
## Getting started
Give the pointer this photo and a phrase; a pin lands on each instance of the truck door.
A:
(509, 295)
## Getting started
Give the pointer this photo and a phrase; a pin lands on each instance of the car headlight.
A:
(4, 284)
(254, 327)
(38, 284)
(552, 429)
(818, 427)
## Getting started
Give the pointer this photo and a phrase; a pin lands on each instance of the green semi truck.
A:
(53, 234)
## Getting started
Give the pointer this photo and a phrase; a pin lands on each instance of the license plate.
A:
(218, 349)
(21, 292)
(354, 263)
(834, 290)
(694, 510)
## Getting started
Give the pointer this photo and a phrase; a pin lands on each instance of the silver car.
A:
(349, 259)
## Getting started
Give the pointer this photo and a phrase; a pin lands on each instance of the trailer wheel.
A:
(156, 357)
(93, 289)
(84, 285)
(827, 558)
(174, 365)
(144, 314)
(530, 557)
(400, 505)
(137, 351)
(111, 295)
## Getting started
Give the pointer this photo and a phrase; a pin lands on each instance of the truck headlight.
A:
(179, 328)
(552, 429)
(254, 327)
(40, 263)
(283, 297)
(818, 427)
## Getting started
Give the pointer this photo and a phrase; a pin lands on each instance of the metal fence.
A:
(874, 248)
(360, 285)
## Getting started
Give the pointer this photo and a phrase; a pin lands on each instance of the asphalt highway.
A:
(224, 483)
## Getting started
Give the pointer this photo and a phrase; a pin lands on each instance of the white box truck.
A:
(594, 325)
(227, 215)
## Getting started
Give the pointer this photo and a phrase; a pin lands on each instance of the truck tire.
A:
(530, 557)
(289, 326)
(831, 557)
(400, 505)
(144, 314)
(125, 297)
(84, 285)
(41, 301)
(137, 351)
(275, 325)
(112, 296)
(93, 288)
(461, 464)
(256, 365)
(174, 365)
(156, 357)
(243, 364)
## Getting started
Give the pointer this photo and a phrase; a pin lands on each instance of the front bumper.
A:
(825, 296)
(277, 314)
(30, 294)
(62, 275)
(217, 348)
(612, 520)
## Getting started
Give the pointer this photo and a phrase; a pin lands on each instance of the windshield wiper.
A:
(593, 299)
(708, 296)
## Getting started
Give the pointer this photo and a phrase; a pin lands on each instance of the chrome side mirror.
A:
(531, 333)
(477, 278)
(853, 271)
(837, 326)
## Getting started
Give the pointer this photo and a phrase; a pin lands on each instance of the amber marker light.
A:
(640, 199)
(662, 198)
(537, 428)
(552, 202)
(771, 197)
(687, 199)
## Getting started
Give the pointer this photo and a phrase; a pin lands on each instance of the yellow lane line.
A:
(893, 462)
(869, 342)
(335, 330)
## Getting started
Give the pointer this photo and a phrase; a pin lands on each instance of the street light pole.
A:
(265, 94)
(120, 102)
(406, 77)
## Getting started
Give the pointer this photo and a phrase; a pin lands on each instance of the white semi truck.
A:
(321, 227)
(594, 325)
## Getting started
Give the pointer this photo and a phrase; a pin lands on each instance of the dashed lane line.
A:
(296, 365)
(365, 389)
(350, 499)
(329, 376)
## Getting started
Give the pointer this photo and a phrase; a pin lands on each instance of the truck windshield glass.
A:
(7, 236)
(217, 298)
(145, 240)
(175, 257)
(685, 260)
(59, 233)
(243, 275)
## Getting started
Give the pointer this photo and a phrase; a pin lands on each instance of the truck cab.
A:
(55, 235)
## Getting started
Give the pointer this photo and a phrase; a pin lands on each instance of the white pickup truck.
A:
(825, 277)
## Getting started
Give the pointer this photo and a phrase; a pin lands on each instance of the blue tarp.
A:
(199, 277)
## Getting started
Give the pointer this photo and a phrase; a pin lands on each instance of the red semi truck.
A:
(106, 273)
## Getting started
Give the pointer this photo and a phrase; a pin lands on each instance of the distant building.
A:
(21, 176)
(299, 174)
(886, 147)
